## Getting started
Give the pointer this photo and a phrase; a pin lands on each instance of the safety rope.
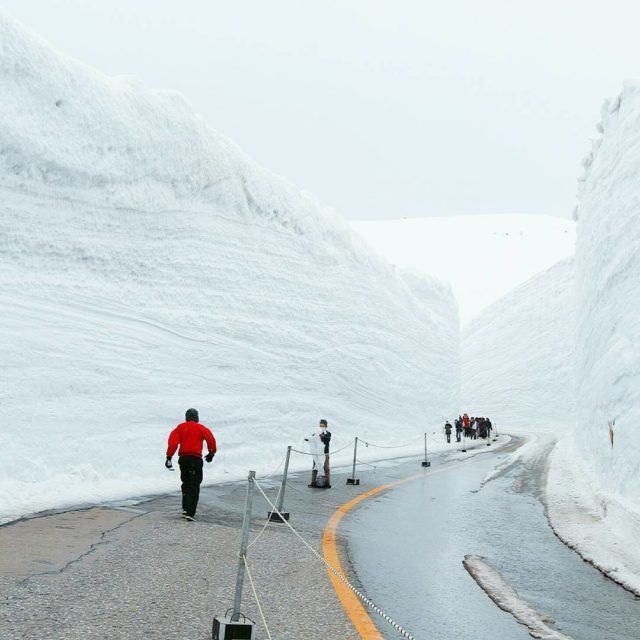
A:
(394, 446)
(265, 524)
(255, 596)
(273, 473)
(306, 453)
(373, 466)
(340, 575)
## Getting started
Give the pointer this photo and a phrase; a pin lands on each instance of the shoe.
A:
(312, 485)
(327, 486)
(188, 518)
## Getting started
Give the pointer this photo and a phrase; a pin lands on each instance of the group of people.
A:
(189, 437)
(473, 428)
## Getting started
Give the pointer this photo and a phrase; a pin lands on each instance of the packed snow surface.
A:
(517, 362)
(508, 599)
(148, 265)
(482, 256)
(603, 527)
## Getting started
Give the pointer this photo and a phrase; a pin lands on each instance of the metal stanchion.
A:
(464, 441)
(353, 479)
(274, 516)
(231, 628)
(425, 462)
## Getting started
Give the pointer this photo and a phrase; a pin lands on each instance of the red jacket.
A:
(190, 436)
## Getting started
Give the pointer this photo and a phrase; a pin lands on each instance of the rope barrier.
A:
(306, 453)
(255, 596)
(401, 630)
(317, 497)
(265, 524)
(273, 473)
(395, 446)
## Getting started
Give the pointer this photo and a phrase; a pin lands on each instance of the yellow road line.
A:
(357, 613)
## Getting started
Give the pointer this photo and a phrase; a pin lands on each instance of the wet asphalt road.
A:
(406, 547)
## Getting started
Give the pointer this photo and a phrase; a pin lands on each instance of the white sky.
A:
(383, 109)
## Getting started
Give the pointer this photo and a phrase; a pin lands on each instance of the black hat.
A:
(324, 422)
(191, 415)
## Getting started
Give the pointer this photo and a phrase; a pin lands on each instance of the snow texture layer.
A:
(471, 252)
(147, 265)
(517, 355)
(507, 598)
(608, 286)
(594, 479)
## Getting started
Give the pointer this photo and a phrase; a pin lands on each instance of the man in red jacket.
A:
(189, 436)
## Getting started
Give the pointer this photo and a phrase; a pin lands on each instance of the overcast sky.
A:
(382, 109)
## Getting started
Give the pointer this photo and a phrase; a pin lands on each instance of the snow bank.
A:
(507, 598)
(608, 283)
(516, 356)
(147, 265)
(471, 252)
(603, 527)
(594, 481)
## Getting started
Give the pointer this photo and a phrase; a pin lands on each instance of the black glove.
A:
(209, 456)
(167, 463)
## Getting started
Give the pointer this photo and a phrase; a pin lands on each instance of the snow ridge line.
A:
(491, 581)
(401, 630)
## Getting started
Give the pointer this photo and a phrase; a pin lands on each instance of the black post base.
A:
(226, 629)
(275, 517)
(353, 480)
(426, 463)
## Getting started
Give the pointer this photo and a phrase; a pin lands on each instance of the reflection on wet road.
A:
(407, 547)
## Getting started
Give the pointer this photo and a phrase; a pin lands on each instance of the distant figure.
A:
(319, 448)
(473, 427)
(465, 421)
(447, 430)
(489, 427)
(459, 429)
(189, 436)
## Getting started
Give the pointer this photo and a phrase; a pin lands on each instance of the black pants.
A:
(448, 438)
(458, 433)
(191, 476)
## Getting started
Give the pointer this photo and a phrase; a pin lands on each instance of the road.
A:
(406, 548)
(136, 571)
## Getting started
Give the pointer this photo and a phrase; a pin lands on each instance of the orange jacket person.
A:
(189, 436)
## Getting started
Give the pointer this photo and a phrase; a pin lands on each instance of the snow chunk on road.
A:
(507, 598)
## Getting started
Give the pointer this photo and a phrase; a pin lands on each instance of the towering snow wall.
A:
(608, 288)
(516, 355)
(148, 265)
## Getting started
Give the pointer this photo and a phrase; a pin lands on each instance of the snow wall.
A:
(516, 355)
(608, 287)
(148, 265)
